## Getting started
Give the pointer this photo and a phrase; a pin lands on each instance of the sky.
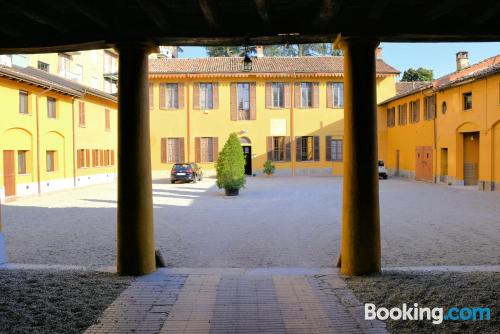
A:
(439, 57)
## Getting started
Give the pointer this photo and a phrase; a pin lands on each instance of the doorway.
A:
(9, 173)
(247, 153)
(423, 168)
(396, 173)
(471, 158)
(444, 165)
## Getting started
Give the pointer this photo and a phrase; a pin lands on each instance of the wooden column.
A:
(360, 249)
(136, 249)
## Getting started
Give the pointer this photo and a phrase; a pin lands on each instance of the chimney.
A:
(260, 51)
(462, 60)
(378, 53)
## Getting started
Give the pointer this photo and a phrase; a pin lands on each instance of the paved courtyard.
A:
(275, 222)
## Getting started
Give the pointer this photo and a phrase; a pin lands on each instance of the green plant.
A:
(230, 165)
(269, 167)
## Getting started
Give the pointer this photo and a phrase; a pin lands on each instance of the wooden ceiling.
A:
(48, 25)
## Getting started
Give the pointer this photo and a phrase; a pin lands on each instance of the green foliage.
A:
(228, 51)
(279, 50)
(419, 74)
(269, 167)
(230, 165)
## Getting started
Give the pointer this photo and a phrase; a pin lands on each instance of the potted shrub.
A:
(230, 166)
(269, 168)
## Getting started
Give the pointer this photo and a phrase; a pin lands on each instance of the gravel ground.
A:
(280, 221)
(55, 301)
(392, 289)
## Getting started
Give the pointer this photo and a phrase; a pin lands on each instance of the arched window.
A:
(245, 140)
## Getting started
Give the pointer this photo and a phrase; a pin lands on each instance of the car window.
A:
(181, 166)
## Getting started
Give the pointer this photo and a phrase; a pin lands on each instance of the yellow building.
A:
(40, 133)
(285, 109)
(93, 68)
(448, 130)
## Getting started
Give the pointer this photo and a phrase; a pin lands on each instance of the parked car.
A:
(186, 171)
(382, 172)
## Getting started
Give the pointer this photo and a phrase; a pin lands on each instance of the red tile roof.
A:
(215, 65)
(482, 69)
(404, 87)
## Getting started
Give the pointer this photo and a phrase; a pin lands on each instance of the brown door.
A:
(9, 173)
(471, 158)
(444, 165)
(423, 167)
(397, 163)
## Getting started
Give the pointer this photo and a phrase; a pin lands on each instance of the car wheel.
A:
(200, 178)
(385, 177)
(172, 181)
(194, 179)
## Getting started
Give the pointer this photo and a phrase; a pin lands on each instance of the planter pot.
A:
(232, 192)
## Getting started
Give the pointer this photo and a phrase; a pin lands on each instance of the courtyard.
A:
(275, 222)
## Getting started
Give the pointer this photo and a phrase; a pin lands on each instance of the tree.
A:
(278, 50)
(229, 51)
(419, 74)
(230, 166)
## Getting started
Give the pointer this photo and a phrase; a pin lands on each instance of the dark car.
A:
(188, 171)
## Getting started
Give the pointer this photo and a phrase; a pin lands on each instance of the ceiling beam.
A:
(36, 15)
(263, 10)
(488, 12)
(378, 8)
(442, 8)
(208, 9)
(327, 10)
(90, 13)
(155, 13)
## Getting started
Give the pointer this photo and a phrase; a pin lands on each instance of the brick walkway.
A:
(237, 301)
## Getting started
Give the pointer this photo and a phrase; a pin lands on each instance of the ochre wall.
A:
(450, 128)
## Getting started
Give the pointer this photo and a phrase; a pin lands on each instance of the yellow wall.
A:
(19, 132)
(93, 135)
(320, 121)
(484, 117)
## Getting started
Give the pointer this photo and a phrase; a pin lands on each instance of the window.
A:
(278, 95)
(173, 150)
(337, 148)
(51, 108)
(81, 114)
(278, 149)
(64, 65)
(172, 95)
(50, 161)
(306, 94)
(21, 162)
(391, 117)
(430, 107)
(415, 111)
(307, 148)
(78, 75)
(106, 157)
(206, 96)
(43, 66)
(83, 158)
(23, 102)
(467, 98)
(402, 114)
(443, 107)
(243, 101)
(95, 158)
(107, 120)
(206, 149)
(338, 95)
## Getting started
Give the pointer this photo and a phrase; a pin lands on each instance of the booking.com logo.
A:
(436, 314)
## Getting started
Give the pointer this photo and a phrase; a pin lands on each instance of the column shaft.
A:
(360, 249)
(136, 249)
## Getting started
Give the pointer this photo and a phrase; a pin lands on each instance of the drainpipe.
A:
(74, 144)
(292, 132)
(188, 124)
(38, 146)
(435, 140)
